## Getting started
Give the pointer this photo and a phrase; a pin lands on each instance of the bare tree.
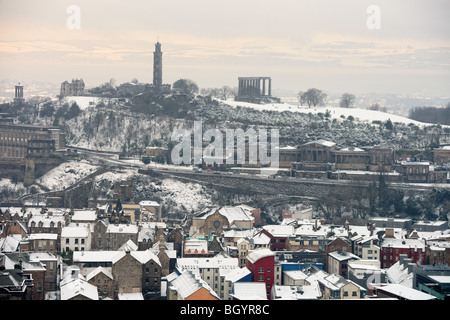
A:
(312, 97)
(347, 100)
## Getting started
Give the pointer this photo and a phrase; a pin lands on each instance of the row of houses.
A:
(218, 254)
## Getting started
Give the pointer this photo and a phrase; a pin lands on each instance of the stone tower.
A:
(18, 94)
(157, 66)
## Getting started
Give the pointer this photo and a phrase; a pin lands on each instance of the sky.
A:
(355, 46)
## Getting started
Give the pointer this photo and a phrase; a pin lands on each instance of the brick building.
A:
(391, 249)
(103, 280)
(136, 271)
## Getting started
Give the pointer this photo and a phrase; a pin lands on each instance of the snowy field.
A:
(66, 174)
(336, 112)
(83, 102)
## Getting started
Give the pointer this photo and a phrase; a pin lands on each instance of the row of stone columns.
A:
(18, 92)
(252, 86)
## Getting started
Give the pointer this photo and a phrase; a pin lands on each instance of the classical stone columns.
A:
(251, 86)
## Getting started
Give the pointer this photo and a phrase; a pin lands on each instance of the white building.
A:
(213, 271)
(76, 238)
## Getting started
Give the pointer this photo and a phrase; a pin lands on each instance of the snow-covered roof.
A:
(130, 296)
(249, 291)
(84, 215)
(260, 239)
(196, 244)
(141, 256)
(96, 271)
(351, 149)
(235, 214)
(260, 254)
(213, 262)
(237, 274)
(10, 243)
(238, 233)
(12, 259)
(43, 236)
(74, 232)
(411, 163)
(406, 292)
(399, 274)
(441, 279)
(279, 230)
(334, 282)
(77, 287)
(295, 274)
(232, 214)
(310, 292)
(403, 243)
(322, 142)
(122, 228)
(343, 255)
(148, 203)
(93, 256)
(187, 283)
(46, 220)
(42, 256)
(129, 245)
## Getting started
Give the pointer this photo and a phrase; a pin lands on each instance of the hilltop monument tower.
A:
(157, 66)
(18, 94)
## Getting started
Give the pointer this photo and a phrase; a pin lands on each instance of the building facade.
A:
(18, 141)
(261, 263)
(74, 88)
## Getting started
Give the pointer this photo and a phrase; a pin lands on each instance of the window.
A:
(345, 294)
(260, 270)
(260, 278)
(354, 294)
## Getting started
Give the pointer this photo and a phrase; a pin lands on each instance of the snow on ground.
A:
(66, 174)
(83, 102)
(117, 175)
(188, 197)
(336, 112)
(7, 184)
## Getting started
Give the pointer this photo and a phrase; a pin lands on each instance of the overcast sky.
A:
(325, 44)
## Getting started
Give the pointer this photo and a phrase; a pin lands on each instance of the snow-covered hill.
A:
(335, 112)
(66, 174)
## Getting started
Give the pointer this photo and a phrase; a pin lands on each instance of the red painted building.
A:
(279, 236)
(391, 249)
(261, 263)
